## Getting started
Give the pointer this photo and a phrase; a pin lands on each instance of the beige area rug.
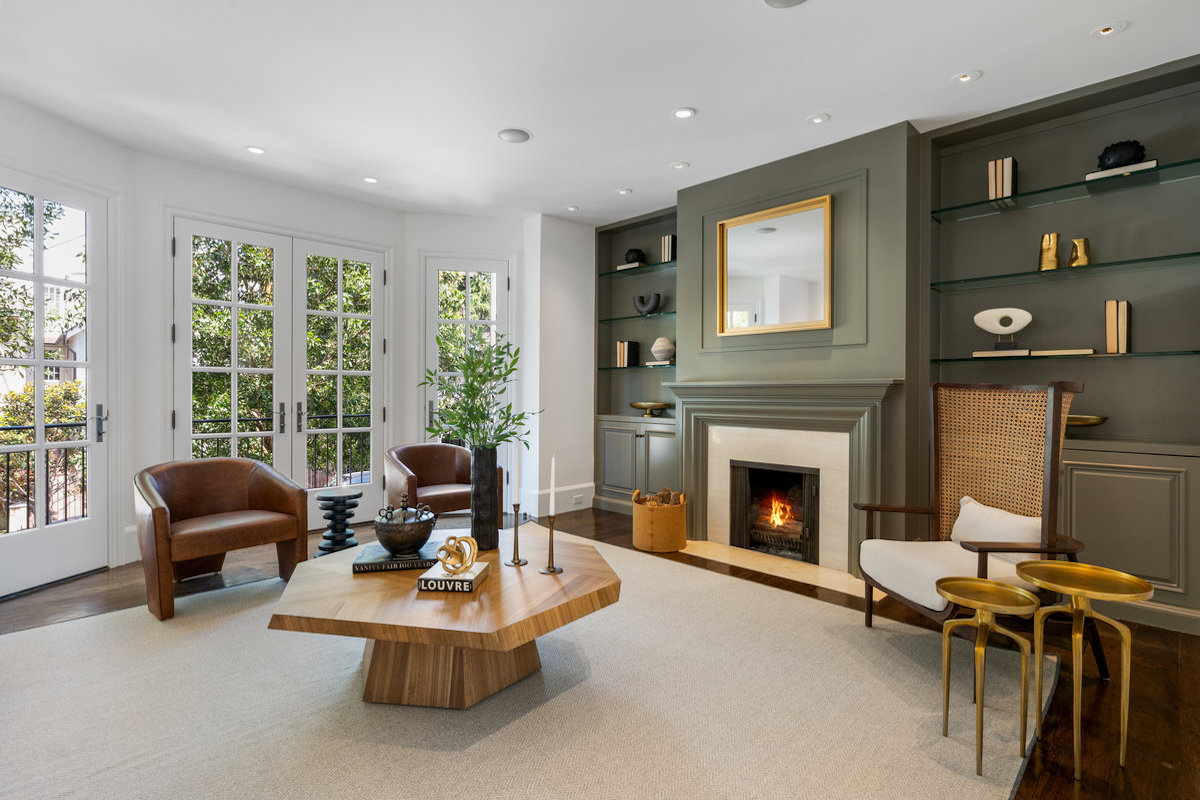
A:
(694, 685)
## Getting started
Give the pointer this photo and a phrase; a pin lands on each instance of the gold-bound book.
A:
(1070, 351)
(999, 353)
(1110, 326)
(436, 579)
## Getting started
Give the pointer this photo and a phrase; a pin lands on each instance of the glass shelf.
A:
(1033, 276)
(639, 316)
(643, 366)
(1168, 173)
(1155, 354)
(642, 270)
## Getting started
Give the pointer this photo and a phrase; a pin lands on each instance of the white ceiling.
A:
(414, 91)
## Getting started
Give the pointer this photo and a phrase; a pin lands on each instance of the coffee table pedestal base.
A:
(441, 676)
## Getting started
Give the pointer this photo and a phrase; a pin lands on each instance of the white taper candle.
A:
(551, 486)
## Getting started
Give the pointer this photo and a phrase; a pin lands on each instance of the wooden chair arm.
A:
(1064, 546)
(870, 508)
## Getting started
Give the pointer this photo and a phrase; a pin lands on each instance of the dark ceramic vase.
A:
(1122, 154)
(646, 303)
(485, 505)
(633, 255)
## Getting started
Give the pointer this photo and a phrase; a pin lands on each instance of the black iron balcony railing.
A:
(65, 470)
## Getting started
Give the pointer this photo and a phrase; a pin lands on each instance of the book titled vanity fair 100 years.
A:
(437, 579)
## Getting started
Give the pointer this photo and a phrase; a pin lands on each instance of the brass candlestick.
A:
(550, 569)
(517, 561)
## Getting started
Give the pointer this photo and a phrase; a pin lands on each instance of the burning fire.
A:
(781, 512)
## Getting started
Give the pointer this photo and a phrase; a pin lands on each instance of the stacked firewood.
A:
(666, 497)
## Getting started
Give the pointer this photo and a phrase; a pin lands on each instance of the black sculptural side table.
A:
(338, 508)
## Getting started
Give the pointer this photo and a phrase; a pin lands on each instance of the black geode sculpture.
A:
(633, 255)
(1122, 154)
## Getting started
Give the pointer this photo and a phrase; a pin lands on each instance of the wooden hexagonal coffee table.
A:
(447, 649)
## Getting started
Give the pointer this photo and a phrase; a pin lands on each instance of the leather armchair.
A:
(190, 513)
(434, 473)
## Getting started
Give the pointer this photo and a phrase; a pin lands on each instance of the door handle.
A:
(430, 415)
(283, 417)
(101, 418)
(299, 417)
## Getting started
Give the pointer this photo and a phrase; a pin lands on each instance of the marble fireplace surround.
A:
(852, 407)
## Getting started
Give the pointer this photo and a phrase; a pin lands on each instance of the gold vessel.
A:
(1081, 253)
(1048, 257)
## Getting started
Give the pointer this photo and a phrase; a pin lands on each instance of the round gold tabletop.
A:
(988, 595)
(1085, 580)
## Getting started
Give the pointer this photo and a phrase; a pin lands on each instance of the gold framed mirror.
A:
(774, 269)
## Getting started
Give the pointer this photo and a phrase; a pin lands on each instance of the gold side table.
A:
(1083, 583)
(988, 598)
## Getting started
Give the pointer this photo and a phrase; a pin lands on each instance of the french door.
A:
(467, 299)
(276, 356)
(53, 379)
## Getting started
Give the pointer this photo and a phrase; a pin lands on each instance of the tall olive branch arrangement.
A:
(473, 408)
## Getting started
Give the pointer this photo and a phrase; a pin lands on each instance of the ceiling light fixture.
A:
(253, 148)
(783, 3)
(684, 112)
(817, 119)
(968, 76)
(624, 191)
(681, 165)
(572, 208)
(370, 180)
(1108, 31)
(514, 135)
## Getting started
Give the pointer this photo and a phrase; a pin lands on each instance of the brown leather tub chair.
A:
(433, 473)
(190, 513)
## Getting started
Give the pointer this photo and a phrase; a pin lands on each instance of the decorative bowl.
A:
(648, 407)
(1084, 420)
(407, 532)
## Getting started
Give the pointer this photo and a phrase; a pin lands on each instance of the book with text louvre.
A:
(438, 580)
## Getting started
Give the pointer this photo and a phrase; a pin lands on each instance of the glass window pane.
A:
(483, 333)
(483, 290)
(322, 342)
(212, 276)
(256, 345)
(16, 231)
(211, 340)
(66, 484)
(211, 402)
(356, 401)
(16, 318)
(356, 344)
(64, 242)
(255, 402)
(65, 393)
(356, 287)
(321, 460)
(212, 448)
(322, 283)
(452, 295)
(16, 405)
(322, 401)
(17, 493)
(256, 274)
(260, 448)
(452, 341)
(65, 323)
(356, 458)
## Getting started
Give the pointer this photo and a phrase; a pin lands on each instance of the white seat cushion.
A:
(911, 569)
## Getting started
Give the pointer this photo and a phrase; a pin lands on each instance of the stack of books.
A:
(1002, 181)
(627, 354)
(1116, 326)
(668, 247)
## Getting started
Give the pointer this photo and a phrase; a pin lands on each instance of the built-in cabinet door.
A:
(658, 445)
(618, 457)
(634, 454)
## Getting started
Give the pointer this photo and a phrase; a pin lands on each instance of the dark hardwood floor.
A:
(1163, 760)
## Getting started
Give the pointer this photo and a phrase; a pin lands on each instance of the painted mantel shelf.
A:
(849, 406)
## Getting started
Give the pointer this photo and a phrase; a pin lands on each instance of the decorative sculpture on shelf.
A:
(646, 303)
(1048, 255)
(1081, 254)
(1121, 154)
(634, 256)
(457, 554)
(1004, 322)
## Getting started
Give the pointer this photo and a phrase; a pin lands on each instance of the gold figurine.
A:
(1049, 254)
(457, 554)
(1081, 254)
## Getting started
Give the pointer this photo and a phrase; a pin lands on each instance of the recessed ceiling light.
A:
(681, 165)
(572, 208)
(513, 135)
(624, 191)
(1108, 31)
(685, 112)
(783, 3)
(253, 148)
(817, 119)
(968, 76)
(370, 180)
(764, 230)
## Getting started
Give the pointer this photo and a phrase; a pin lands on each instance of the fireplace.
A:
(775, 508)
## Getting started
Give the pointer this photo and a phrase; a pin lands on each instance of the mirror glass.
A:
(774, 269)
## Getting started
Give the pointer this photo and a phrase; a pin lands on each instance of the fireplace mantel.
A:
(851, 406)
